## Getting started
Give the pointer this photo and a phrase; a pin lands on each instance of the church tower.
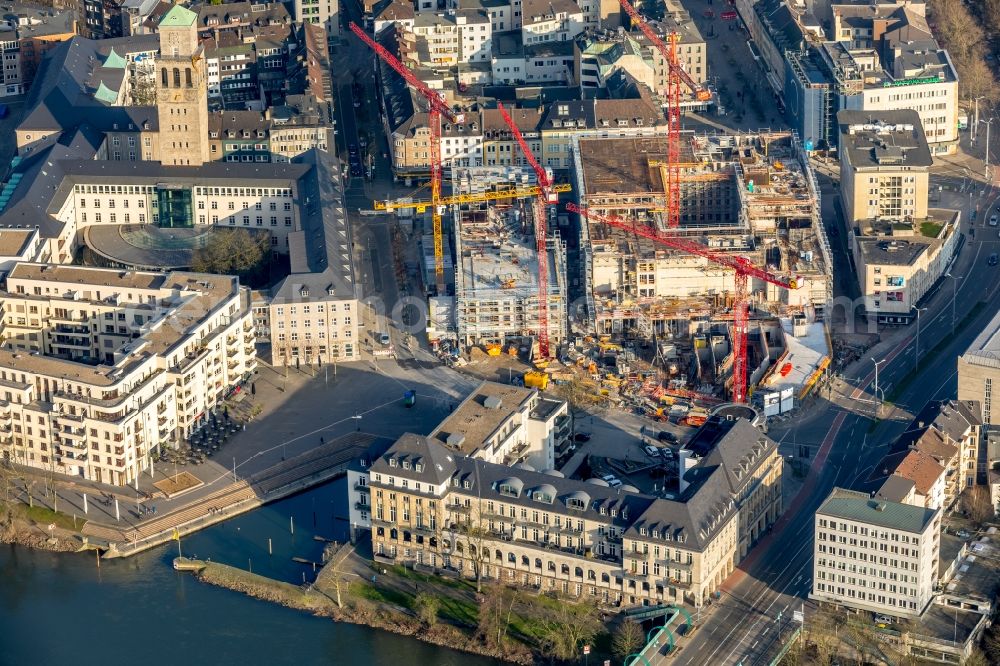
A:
(182, 90)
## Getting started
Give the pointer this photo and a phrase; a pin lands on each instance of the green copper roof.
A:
(106, 94)
(178, 17)
(114, 61)
(859, 507)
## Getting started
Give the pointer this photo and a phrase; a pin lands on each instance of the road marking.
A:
(764, 613)
(757, 599)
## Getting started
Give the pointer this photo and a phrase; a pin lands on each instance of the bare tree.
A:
(568, 629)
(976, 78)
(991, 16)
(495, 612)
(629, 637)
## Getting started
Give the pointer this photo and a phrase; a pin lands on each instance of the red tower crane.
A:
(743, 268)
(437, 107)
(675, 74)
(545, 197)
(700, 93)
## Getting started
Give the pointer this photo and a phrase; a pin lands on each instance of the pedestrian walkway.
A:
(314, 467)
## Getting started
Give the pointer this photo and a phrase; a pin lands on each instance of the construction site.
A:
(496, 276)
(737, 288)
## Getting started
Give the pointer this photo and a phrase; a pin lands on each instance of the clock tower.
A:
(181, 90)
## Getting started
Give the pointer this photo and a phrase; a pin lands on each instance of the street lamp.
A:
(916, 352)
(954, 293)
(878, 401)
(986, 157)
(975, 126)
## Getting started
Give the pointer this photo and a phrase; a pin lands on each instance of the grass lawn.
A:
(930, 229)
(44, 516)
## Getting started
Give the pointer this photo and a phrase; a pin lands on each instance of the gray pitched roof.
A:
(694, 521)
(425, 461)
(62, 95)
(484, 479)
(320, 251)
(735, 446)
(895, 489)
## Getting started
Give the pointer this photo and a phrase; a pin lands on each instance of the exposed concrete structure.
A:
(632, 281)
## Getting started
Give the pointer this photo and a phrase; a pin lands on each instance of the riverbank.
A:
(30, 527)
(360, 606)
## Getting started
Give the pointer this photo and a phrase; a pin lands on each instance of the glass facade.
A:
(175, 207)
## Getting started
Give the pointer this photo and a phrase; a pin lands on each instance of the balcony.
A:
(362, 487)
(362, 506)
(232, 363)
(250, 351)
(674, 582)
(63, 341)
(65, 329)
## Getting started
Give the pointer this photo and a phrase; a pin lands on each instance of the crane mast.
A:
(743, 267)
(437, 108)
(545, 197)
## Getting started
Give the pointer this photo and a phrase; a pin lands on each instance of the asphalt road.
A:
(845, 447)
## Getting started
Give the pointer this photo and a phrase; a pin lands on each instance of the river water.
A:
(63, 609)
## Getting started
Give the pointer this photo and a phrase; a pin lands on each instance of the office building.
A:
(901, 247)
(873, 555)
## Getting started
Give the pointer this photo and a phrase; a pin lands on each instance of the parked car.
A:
(615, 483)
(651, 451)
(665, 436)
(993, 220)
(609, 477)
(992, 261)
(882, 621)
(384, 339)
(581, 437)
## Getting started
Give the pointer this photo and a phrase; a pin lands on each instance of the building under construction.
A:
(496, 265)
(752, 195)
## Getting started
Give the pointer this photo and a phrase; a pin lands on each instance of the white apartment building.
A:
(550, 21)
(875, 556)
(443, 38)
(885, 58)
(101, 369)
(321, 12)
